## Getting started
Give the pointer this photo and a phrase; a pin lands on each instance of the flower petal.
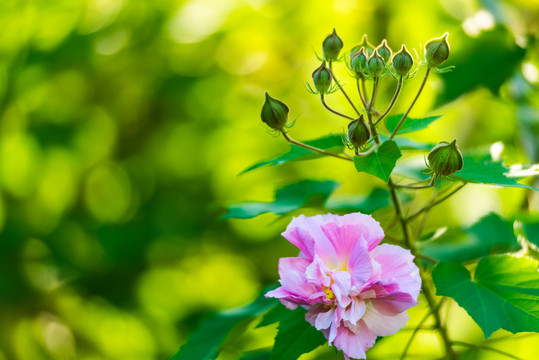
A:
(360, 266)
(397, 267)
(355, 344)
(294, 285)
(306, 234)
(384, 325)
(355, 312)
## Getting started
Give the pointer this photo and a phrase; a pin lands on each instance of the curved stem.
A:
(368, 152)
(482, 346)
(372, 126)
(341, 88)
(360, 93)
(395, 96)
(416, 329)
(411, 186)
(312, 148)
(364, 87)
(411, 105)
(332, 110)
(434, 203)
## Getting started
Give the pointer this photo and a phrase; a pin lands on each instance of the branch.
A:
(312, 148)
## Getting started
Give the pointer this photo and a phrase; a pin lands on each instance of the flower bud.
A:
(274, 113)
(369, 48)
(332, 46)
(322, 78)
(358, 133)
(445, 158)
(384, 51)
(376, 64)
(359, 61)
(403, 62)
(437, 51)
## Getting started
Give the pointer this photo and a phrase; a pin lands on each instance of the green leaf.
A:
(478, 63)
(410, 124)
(296, 337)
(287, 199)
(503, 294)
(378, 198)
(257, 355)
(405, 143)
(332, 143)
(381, 162)
(491, 234)
(276, 314)
(485, 171)
(213, 329)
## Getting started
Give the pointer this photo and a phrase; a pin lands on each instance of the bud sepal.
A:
(445, 159)
(275, 114)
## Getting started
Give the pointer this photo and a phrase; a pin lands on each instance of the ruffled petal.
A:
(355, 344)
(317, 271)
(397, 267)
(307, 235)
(294, 285)
(355, 312)
(384, 325)
(341, 287)
(360, 266)
(344, 231)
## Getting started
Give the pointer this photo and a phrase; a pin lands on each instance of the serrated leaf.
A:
(409, 124)
(332, 143)
(213, 329)
(381, 162)
(287, 199)
(503, 294)
(296, 337)
(489, 235)
(486, 171)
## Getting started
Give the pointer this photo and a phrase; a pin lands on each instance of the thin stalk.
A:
(411, 186)
(360, 93)
(426, 290)
(312, 148)
(364, 87)
(434, 203)
(411, 339)
(485, 347)
(333, 110)
(372, 126)
(341, 88)
(395, 96)
(411, 105)
(365, 153)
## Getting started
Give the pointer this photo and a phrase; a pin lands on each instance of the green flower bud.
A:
(369, 48)
(403, 62)
(384, 51)
(376, 64)
(332, 46)
(274, 113)
(322, 78)
(445, 158)
(359, 61)
(358, 133)
(437, 51)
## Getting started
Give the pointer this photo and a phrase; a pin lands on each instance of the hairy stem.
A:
(411, 105)
(390, 106)
(312, 148)
(322, 99)
(342, 89)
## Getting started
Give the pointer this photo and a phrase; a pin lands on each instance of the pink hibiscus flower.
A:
(353, 288)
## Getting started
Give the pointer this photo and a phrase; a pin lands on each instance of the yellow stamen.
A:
(329, 293)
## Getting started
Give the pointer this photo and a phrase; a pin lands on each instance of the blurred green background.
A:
(124, 124)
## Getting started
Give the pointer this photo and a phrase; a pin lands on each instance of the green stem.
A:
(411, 105)
(312, 148)
(364, 87)
(372, 126)
(450, 353)
(395, 96)
(434, 203)
(333, 110)
(341, 88)
(483, 346)
(412, 186)
(360, 93)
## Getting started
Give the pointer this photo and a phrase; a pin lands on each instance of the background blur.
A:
(124, 124)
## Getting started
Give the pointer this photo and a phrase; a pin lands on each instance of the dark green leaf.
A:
(213, 329)
(377, 199)
(257, 355)
(485, 171)
(487, 61)
(381, 162)
(409, 124)
(296, 337)
(276, 314)
(287, 199)
(489, 235)
(504, 292)
(332, 143)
